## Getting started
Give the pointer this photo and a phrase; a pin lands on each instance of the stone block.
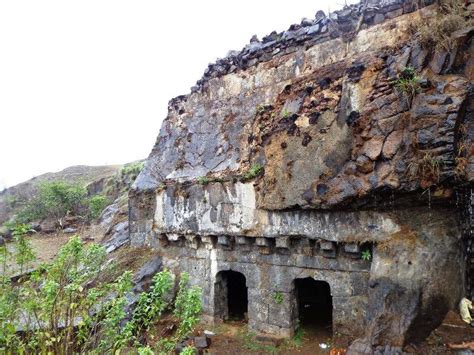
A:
(172, 237)
(224, 240)
(282, 242)
(352, 248)
(328, 249)
(192, 241)
(262, 242)
(242, 240)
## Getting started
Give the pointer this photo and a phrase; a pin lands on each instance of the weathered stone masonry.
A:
(345, 162)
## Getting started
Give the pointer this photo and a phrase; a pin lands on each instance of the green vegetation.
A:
(132, 169)
(278, 297)
(250, 342)
(286, 113)
(203, 180)
(366, 255)
(97, 204)
(55, 199)
(254, 171)
(408, 83)
(298, 338)
(70, 306)
(189, 350)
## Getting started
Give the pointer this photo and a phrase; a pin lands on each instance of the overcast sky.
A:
(88, 82)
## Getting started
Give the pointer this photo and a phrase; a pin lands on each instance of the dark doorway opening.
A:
(314, 304)
(231, 296)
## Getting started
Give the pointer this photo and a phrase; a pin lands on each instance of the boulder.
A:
(119, 237)
(48, 226)
(202, 342)
(70, 230)
(142, 278)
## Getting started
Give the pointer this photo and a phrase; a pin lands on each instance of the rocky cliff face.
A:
(345, 131)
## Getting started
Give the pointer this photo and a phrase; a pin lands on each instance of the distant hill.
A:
(95, 178)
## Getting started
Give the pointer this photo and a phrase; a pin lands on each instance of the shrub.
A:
(152, 304)
(187, 306)
(132, 169)
(97, 204)
(54, 200)
(69, 306)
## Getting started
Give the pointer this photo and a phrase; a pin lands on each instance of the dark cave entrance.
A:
(231, 296)
(314, 305)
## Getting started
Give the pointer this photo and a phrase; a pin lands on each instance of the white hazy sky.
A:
(88, 82)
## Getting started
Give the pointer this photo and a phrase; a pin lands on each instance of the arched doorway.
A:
(231, 296)
(314, 305)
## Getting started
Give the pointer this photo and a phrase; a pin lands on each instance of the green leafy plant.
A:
(145, 350)
(299, 335)
(366, 255)
(68, 306)
(152, 304)
(132, 169)
(254, 171)
(278, 297)
(97, 204)
(188, 306)
(189, 350)
(54, 200)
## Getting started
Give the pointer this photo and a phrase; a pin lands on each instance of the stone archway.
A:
(230, 296)
(313, 306)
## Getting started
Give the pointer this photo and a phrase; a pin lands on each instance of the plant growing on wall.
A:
(366, 255)
(408, 83)
(254, 171)
(203, 180)
(278, 297)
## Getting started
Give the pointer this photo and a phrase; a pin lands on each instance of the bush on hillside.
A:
(97, 204)
(70, 306)
(55, 199)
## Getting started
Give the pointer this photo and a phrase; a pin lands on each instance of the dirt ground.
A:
(46, 246)
(233, 338)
